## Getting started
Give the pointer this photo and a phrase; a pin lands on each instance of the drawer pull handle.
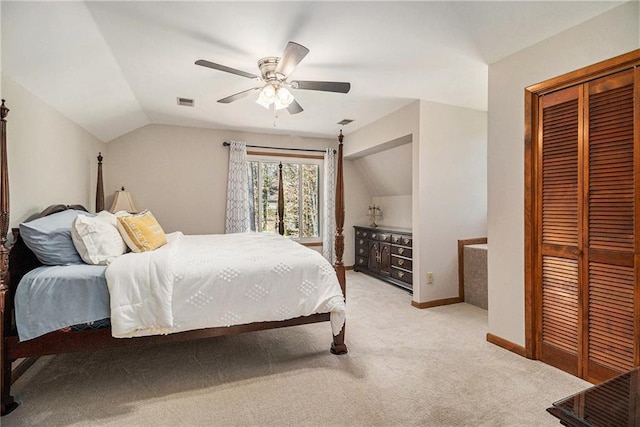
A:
(406, 241)
(400, 274)
(361, 250)
(360, 261)
(400, 262)
(364, 234)
(385, 238)
(395, 239)
(400, 251)
(373, 236)
(361, 241)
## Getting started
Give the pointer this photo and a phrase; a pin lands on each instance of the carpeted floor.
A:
(406, 366)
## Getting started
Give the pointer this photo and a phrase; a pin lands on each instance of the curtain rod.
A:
(226, 144)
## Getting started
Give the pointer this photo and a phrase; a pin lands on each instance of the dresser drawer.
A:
(362, 251)
(363, 234)
(399, 250)
(400, 239)
(402, 275)
(384, 237)
(407, 264)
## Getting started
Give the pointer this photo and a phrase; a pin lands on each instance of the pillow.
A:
(141, 232)
(97, 238)
(49, 238)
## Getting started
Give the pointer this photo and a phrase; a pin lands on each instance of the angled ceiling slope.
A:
(114, 66)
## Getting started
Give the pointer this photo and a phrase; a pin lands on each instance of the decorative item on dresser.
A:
(385, 254)
(375, 213)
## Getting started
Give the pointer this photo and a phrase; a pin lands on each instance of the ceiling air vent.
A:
(186, 102)
(344, 122)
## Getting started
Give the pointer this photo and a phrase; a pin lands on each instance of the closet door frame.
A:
(532, 169)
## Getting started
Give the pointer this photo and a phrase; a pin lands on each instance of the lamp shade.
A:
(122, 201)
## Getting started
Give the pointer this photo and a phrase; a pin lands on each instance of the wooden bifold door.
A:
(583, 236)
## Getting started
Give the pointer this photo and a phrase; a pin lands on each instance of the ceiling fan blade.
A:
(294, 108)
(339, 87)
(292, 55)
(237, 96)
(219, 67)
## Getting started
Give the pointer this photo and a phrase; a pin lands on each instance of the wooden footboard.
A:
(22, 260)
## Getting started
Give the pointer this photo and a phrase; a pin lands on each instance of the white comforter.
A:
(203, 281)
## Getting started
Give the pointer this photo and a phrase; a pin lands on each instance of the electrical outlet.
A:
(429, 277)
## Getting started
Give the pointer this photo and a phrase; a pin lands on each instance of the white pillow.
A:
(97, 238)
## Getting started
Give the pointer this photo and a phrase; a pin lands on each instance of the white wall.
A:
(396, 211)
(452, 192)
(398, 128)
(608, 35)
(357, 199)
(387, 175)
(180, 174)
(51, 159)
(448, 193)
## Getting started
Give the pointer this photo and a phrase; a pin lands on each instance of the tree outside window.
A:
(301, 188)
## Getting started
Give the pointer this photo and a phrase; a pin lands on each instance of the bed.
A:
(40, 332)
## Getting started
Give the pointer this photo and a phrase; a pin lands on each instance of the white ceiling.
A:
(112, 67)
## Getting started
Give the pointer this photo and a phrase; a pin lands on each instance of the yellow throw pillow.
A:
(141, 232)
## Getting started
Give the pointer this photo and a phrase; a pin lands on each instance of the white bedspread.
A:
(203, 281)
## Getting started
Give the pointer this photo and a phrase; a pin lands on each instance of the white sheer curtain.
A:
(238, 189)
(329, 206)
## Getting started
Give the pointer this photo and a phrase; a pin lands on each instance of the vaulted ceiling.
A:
(112, 67)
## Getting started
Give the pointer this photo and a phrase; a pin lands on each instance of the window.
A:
(301, 179)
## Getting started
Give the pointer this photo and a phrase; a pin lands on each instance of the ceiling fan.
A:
(274, 88)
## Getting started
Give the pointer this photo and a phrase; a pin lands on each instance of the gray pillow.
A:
(50, 238)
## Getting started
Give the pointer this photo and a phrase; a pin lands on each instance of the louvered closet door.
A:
(610, 216)
(588, 214)
(561, 227)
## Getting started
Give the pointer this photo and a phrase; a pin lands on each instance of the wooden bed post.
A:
(8, 404)
(338, 346)
(99, 187)
(280, 202)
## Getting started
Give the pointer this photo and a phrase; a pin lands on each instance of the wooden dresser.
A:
(386, 254)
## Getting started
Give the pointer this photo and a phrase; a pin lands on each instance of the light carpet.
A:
(405, 366)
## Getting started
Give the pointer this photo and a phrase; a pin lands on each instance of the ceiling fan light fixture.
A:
(261, 101)
(283, 97)
(278, 105)
(267, 96)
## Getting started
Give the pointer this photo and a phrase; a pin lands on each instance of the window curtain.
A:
(329, 206)
(238, 189)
